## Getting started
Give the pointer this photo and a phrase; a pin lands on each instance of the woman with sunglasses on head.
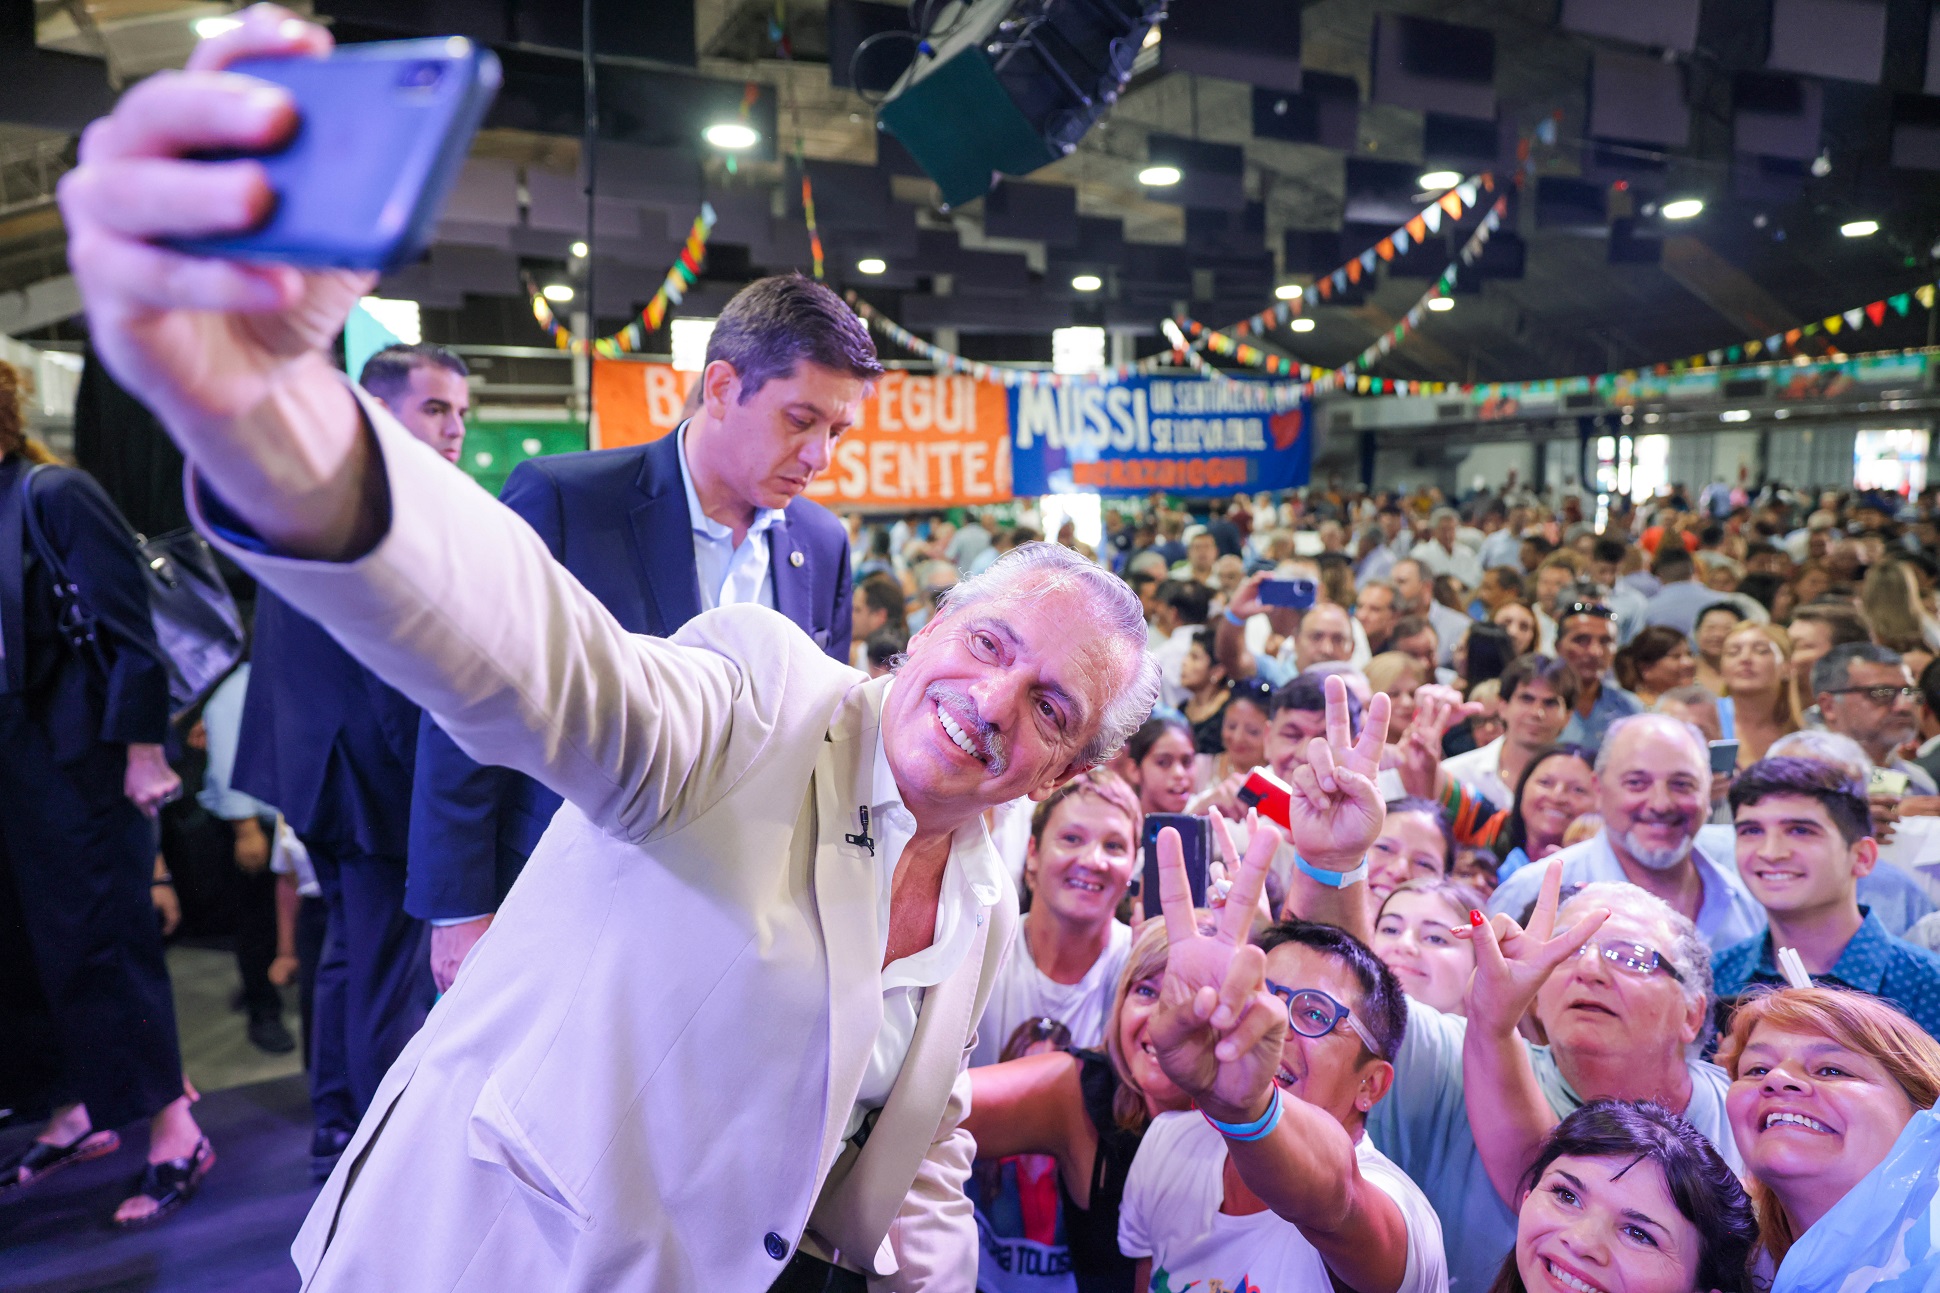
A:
(1631, 1197)
(1284, 1045)
(1088, 1109)
(1832, 1096)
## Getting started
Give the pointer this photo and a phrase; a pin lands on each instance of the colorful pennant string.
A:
(680, 276)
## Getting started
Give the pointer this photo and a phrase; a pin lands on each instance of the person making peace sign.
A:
(1284, 1044)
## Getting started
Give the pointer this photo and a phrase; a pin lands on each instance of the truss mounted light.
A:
(1683, 208)
(1159, 177)
(731, 136)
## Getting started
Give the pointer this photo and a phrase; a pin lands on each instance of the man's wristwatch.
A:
(1332, 879)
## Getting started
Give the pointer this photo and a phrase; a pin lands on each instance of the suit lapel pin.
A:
(795, 559)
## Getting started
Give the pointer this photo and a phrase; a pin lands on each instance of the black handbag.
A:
(198, 630)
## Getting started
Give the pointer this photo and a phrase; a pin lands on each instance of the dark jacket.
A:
(324, 740)
(122, 698)
(618, 520)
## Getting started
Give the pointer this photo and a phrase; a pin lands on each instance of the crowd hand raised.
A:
(204, 341)
(1438, 708)
(1217, 1031)
(1246, 601)
(1335, 811)
(1513, 963)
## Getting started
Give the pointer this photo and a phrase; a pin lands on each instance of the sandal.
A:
(171, 1184)
(40, 1160)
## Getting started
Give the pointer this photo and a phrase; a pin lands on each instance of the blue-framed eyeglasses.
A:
(1312, 1013)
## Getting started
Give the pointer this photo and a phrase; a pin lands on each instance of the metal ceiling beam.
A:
(39, 304)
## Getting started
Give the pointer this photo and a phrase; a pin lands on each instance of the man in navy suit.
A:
(333, 748)
(712, 515)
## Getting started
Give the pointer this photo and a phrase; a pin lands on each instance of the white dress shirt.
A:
(729, 575)
(1172, 659)
(972, 880)
(1481, 771)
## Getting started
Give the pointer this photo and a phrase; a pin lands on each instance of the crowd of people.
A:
(1504, 891)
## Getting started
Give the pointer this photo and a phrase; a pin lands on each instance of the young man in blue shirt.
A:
(1804, 840)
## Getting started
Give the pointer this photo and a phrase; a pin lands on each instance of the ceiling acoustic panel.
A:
(1777, 116)
(1433, 66)
(1255, 41)
(1638, 98)
(1842, 40)
(1654, 24)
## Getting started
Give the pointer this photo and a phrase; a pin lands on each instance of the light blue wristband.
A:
(1259, 1129)
(1233, 619)
(1332, 879)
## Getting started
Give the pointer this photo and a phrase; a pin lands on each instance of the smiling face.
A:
(1287, 736)
(1793, 858)
(1413, 937)
(1713, 627)
(1337, 1072)
(1560, 789)
(1134, 1017)
(1593, 1007)
(1243, 732)
(1411, 846)
(995, 701)
(1673, 669)
(1082, 863)
(1654, 792)
(1535, 716)
(1812, 1117)
(768, 448)
(1587, 644)
(1604, 1225)
(1520, 624)
(1163, 778)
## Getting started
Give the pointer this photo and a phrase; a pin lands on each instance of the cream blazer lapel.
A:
(866, 1188)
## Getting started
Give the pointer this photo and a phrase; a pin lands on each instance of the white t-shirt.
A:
(1023, 991)
(1171, 1215)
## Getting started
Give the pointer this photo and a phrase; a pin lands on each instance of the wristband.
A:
(1332, 879)
(1259, 1129)
(1233, 619)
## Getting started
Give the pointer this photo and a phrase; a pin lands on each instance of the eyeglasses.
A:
(1597, 609)
(1884, 694)
(1639, 959)
(1312, 1013)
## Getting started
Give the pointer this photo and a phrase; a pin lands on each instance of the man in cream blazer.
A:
(715, 1037)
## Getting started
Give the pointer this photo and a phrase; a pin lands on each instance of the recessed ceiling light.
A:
(207, 27)
(1289, 291)
(1440, 180)
(1151, 37)
(1087, 283)
(872, 265)
(1859, 228)
(731, 135)
(559, 292)
(579, 250)
(1302, 325)
(1735, 415)
(1683, 208)
(1160, 176)
(1440, 303)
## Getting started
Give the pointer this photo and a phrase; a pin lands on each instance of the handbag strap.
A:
(77, 621)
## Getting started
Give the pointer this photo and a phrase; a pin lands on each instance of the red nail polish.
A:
(1474, 917)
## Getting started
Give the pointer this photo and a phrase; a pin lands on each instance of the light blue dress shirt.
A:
(729, 575)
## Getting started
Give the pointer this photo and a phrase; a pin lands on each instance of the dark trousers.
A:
(373, 986)
(75, 863)
(312, 922)
(256, 941)
(806, 1274)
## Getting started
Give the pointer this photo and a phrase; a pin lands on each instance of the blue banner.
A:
(1180, 435)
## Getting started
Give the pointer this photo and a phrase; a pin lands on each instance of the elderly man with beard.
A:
(715, 1036)
(1653, 776)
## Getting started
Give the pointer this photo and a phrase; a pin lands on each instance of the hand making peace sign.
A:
(1336, 811)
(1513, 963)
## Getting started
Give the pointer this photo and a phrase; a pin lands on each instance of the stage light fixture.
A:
(1683, 208)
(731, 136)
(1159, 177)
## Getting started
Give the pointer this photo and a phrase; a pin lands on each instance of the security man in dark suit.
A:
(333, 748)
(87, 1021)
(711, 515)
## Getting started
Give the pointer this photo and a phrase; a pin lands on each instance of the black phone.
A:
(1195, 834)
(1724, 757)
(382, 131)
(1296, 594)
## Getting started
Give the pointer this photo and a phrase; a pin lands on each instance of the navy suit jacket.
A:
(324, 740)
(617, 519)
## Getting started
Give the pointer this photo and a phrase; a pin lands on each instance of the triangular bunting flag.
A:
(1924, 295)
(1715, 357)
(1340, 280)
(1400, 240)
(1452, 203)
(1900, 303)
(1792, 337)
(1367, 260)
(1432, 217)
(1771, 342)
(1418, 229)
(1733, 354)
(1467, 193)
(1876, 312)
(1385, 248)
(1832, 323)
(1353, 271)
(1810, 330)
(1752, 348)
(1852, 317)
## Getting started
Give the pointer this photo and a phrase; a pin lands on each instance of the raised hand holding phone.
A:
(1217, 1031)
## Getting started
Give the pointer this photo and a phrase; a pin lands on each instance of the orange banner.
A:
(923, 441)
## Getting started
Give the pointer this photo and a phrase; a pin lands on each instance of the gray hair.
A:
(1034, 569)
(1825, 747)
(1694, 694)
(1834, 668)
(1698, 741)
(1687, 952)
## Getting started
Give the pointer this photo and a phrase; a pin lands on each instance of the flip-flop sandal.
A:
(172, 1184)
(39, 1160)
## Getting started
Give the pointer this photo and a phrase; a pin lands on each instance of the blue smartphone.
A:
(1195, 837)
(1296, 594)
(382, 131)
